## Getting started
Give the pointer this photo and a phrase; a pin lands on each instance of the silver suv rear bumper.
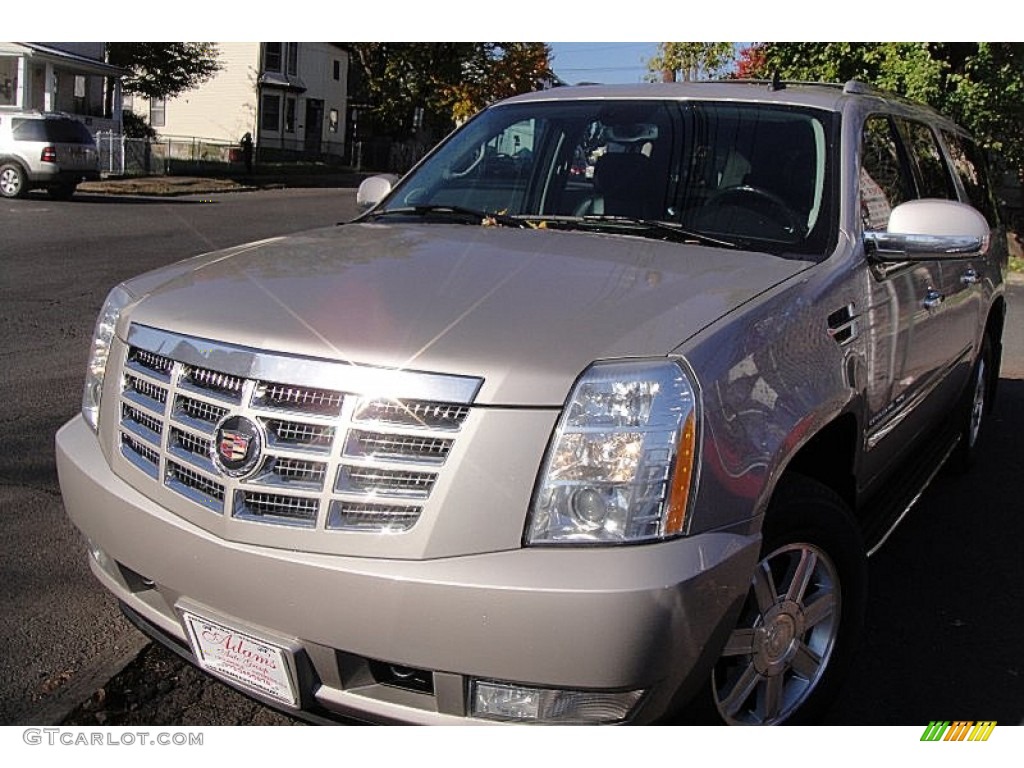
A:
(647, 617)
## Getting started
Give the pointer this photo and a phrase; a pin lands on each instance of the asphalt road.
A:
(59, 634)
(944, 623)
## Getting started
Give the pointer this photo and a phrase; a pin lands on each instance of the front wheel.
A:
(12, 180)
(975, 407)
(799, 627)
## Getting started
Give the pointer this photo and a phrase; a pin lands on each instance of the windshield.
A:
(753, 175)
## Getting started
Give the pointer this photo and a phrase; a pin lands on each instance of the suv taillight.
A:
(49, 155)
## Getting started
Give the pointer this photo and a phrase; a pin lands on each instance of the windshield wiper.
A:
(436, 209)
(676, 232)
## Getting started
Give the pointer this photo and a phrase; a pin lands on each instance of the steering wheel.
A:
(756, 198)
(474, 161)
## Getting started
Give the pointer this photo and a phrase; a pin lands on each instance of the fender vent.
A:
(842, 325)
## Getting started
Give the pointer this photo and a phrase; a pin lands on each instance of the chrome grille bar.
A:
(300, 399)
(146, 390)
(439, 416)
(188, 409)
(394, 447)
(150, 362)
(297, 435)
(385, 482)
(276, 508)
(386, 518)
(195, 486)
(212, 383)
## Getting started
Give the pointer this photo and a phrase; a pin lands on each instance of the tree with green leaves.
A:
(981, 85)
(691, 61)
(446, 81)
(163, 70)
(497, 71)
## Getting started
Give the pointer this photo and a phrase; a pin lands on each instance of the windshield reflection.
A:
(728, 173)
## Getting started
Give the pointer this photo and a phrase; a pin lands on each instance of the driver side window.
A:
(884, 180)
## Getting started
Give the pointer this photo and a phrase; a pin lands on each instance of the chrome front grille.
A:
(332, 458)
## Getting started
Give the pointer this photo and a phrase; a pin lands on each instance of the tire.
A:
(61, 191)
(975, 407)
(12, 180)
(801, 623)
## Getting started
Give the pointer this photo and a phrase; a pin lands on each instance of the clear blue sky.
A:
(602, 62)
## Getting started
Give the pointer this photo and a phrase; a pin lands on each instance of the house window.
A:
(158, 113)
(272, 57)
(293, 58)
(270, 112)
(8, 80)
(289, 114)
(80, 103)
(337, 70)
(332, 121)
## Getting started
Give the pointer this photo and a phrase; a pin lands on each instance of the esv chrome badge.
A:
(237, 446)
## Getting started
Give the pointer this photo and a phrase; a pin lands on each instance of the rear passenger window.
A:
(884, 178)
(933, 179)
(969, 166)
(28, 130)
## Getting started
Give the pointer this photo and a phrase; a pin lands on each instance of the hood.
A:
(526, 310)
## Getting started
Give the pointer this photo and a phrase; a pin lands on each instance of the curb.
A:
(171, 186)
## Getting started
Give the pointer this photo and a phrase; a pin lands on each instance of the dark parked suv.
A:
(45, 150)
(528, 444)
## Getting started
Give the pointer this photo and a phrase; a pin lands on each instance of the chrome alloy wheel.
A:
(10, 181)
(781, 647)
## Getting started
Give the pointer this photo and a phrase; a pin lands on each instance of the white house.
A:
(62, 77)
(290, 97)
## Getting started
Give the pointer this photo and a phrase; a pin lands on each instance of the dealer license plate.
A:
(249, 661)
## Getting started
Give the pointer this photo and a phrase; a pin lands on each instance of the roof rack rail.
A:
(771, 82)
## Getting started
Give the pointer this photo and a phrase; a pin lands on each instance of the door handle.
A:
(970, 277)
(933, 299)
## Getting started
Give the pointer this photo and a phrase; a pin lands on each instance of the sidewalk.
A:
(199, 185)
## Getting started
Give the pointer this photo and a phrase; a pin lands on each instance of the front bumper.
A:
(649, 617)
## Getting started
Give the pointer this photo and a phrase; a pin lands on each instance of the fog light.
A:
(504, 701)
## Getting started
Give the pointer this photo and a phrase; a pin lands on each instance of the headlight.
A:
(622, 461)
(117, 299)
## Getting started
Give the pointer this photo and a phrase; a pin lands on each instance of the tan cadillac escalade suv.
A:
(592, 417)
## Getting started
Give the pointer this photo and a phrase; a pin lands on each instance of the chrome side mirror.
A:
(930, 229)
(375, 189)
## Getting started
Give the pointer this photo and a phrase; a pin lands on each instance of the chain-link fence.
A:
(123, 156)
(193, 156)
